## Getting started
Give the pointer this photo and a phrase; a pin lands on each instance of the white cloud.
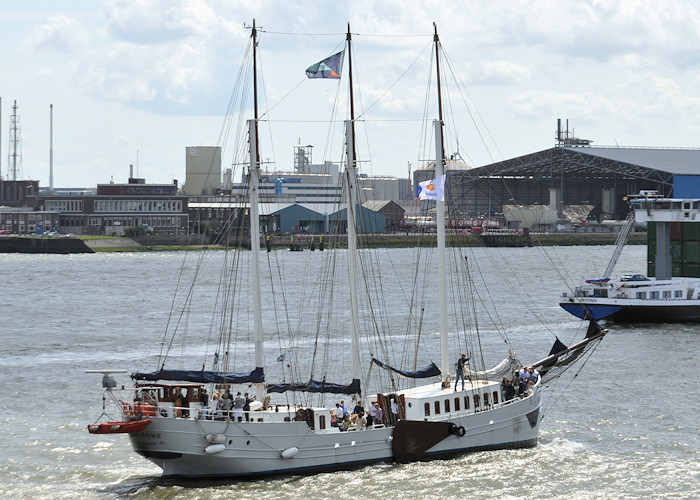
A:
(58, 34)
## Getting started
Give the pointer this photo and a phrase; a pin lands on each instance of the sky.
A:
(138, 81)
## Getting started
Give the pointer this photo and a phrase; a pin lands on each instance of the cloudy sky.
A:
(137, 81)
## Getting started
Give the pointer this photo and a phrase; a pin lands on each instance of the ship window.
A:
(641, 295)
(456, 404)
(447, 406)
(678, 293)
(427, 409)
(486, 399)
(653, 295)
(321, 421)
(437, 407)
(667, 294)
(476, 401)
(495, 397)
(466, 402)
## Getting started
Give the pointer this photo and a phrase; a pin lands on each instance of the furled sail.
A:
(429, 371)
(316, 386)
(506, 367)
(255, 376)
(561, 356)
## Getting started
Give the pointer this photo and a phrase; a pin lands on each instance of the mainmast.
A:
(440, 215)
(350, 184)
(254, 171)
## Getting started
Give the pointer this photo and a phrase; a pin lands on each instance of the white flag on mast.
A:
(433, 189)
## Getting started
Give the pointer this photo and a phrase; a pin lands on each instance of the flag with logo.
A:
(328, 68)
(433, 189)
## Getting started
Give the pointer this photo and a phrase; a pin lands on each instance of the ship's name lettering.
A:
(155, 435)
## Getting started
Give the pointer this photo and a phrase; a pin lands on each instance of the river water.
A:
(625, 427)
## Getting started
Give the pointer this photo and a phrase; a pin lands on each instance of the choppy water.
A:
(625, 427)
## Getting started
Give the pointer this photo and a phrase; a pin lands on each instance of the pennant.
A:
(328, 68)
(433, 189)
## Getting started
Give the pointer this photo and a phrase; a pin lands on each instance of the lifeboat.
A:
(118, 427)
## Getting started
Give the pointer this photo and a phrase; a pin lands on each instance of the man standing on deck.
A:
(461, 365)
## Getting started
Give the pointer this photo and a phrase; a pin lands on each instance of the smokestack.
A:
(559, 130)
(131, 171)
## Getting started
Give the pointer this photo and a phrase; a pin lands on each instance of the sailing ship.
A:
(273, 434)
(636, 298)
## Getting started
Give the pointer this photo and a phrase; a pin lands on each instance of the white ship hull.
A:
(179, 445)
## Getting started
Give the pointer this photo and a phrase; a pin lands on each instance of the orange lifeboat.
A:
(118, 427)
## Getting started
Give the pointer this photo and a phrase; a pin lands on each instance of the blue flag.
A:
(328, 68)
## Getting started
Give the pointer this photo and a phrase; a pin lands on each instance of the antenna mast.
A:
(15, 154)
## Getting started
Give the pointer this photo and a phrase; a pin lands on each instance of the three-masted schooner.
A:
(431, 419)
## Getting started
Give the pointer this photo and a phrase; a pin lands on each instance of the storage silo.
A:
(202, 170)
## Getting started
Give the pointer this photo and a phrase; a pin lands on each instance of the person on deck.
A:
(509, 391)
(372, 415)
(238, 404)
(461, 365)
(379, 413)
(246, 406)
(338, 414)
(533, 375)
(204, 398)
(394, 411)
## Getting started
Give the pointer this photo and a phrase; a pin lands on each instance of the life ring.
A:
(623, 295)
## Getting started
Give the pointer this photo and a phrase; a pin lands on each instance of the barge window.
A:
(427, 409)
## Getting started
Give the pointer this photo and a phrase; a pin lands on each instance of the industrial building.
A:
(566, 176)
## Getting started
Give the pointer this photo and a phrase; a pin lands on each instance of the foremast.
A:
(254, 179)
(350, 187)
(440, 215)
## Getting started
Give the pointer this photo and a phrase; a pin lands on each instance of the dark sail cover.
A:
(429, 371)
(561, 357)
(255, 376)
(316, 386)
(557, 348)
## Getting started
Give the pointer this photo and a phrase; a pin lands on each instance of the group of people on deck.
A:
(359, 419)
(524, 383)
(224, 405)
